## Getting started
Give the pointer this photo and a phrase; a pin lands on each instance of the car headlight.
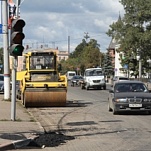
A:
(89, 80)
(120, 100)
(147, 100)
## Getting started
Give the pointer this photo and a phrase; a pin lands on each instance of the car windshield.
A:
(130, 87)
(77, 77)
(95, 72)
(71, 74)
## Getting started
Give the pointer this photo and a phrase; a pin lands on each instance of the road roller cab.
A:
(41, 82)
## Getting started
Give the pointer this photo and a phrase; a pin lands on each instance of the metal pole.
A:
(17, 8)
(140, 69)
(68, 45)
(5, 50)
(13, 102)
(14, 69)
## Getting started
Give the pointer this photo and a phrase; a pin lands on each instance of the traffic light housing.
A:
(17, 36)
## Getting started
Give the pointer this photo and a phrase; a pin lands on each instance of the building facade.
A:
(116, 63)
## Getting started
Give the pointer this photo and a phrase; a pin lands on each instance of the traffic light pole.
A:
(14, 70)
(13, 99)
(6, 51)
(16, 49)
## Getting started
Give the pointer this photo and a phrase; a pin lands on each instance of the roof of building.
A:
(112, 44)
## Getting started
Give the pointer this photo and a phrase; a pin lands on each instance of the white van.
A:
(94, 78)
(70, 74)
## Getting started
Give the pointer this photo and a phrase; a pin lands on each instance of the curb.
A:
(17, 144)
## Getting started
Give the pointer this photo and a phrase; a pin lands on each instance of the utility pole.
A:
(68, 45)
(6, 50)
(14, 62)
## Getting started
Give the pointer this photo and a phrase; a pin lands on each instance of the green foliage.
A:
(91, 54)
(133, 30)
(107, 64)
(85, 55)
(78, 50)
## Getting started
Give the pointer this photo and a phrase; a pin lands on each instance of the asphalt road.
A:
(87, 125)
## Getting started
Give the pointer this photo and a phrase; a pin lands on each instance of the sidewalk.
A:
(14, 134)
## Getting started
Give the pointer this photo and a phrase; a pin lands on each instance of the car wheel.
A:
(104, 87)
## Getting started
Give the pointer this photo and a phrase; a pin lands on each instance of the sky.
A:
(63, 24)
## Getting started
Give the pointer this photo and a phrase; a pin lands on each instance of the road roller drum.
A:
(44, 98)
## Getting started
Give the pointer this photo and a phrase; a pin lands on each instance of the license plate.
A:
(135, 105)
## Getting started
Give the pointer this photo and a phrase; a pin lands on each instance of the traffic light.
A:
(17, 36)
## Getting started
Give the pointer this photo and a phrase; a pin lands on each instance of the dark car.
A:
(2, 86)
(2, 83)
(75, 80)
(129, 96)
(1, 77)
(118, 78)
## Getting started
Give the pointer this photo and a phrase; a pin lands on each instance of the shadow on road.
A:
(77, 103)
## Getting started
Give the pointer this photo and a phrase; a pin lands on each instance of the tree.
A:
(85, 55)
(91, 54)
(107, 64)
(133, 30)
(79, 49)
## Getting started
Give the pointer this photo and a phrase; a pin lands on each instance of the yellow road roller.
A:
(41, 84)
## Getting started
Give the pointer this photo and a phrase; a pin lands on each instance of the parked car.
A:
(118, 78)
(70, 75)
(76, 80)
(2, 86)
(2, 83)
(1, 77)
(129, 96)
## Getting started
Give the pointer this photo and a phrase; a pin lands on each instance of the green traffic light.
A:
(17, 50)
(17, 36)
